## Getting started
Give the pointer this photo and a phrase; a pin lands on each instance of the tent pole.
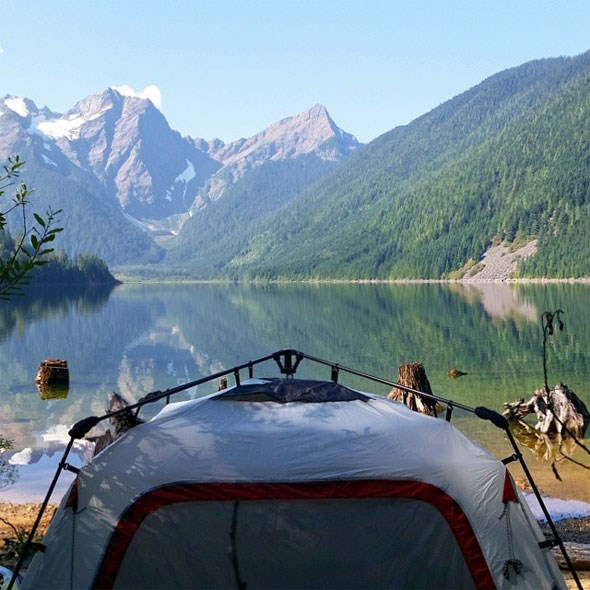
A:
(546, 513)
(29, 542)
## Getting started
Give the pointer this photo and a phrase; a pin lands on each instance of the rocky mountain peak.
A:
(310, 131)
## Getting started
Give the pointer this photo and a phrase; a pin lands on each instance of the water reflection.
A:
(546, 448)
(141, 338)
(52, 391)
(501, 300)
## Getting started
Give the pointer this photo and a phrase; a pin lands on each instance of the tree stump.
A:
(560, 411)
(121, 422)
(53, 372)
(413, 375)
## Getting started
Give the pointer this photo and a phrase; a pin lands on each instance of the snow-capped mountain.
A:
(121, 142)
(127, 144)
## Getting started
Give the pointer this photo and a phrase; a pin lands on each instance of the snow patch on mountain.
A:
(48, 161)
(188, 174)
(136, 222)
(67, 126)
(17, 105)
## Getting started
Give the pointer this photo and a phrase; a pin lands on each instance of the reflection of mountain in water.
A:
(501, 301)
(148, 367)
(154, 337)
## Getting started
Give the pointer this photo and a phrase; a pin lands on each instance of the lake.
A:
(139, 338)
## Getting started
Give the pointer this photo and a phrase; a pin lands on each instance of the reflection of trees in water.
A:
(8, 474)
(51, 303)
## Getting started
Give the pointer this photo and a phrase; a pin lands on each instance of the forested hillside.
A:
(92, 221)
(221, 230)
(508, 160)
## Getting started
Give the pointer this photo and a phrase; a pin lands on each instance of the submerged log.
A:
(413, 375)
(53, 372)
(559, 411)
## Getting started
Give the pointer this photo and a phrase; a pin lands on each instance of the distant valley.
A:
(506, 162)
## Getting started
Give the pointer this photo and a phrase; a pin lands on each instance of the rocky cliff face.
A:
(310, 132)
(125, 142)
(116, 149)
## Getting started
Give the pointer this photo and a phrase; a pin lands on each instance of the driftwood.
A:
(560, 411)
(53, 372)
(579, 554)
(121, 423)
(413, 375)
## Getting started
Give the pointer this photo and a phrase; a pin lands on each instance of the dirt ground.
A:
(574, 532)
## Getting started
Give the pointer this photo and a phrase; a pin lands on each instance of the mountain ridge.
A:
(375, 217)
(507, 161)
(122, 149)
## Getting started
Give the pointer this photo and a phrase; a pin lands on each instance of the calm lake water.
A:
(140, 338)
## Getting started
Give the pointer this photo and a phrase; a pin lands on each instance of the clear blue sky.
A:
(228, 69)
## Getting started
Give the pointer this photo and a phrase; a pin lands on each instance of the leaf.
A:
(39, 220)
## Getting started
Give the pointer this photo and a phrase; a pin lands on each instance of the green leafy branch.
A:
(33, 246)
(17, 545)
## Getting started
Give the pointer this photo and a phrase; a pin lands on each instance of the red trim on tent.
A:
(203, 492)
(72, 501)
(509, 493)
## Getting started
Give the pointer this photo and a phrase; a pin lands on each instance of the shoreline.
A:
(470, 281)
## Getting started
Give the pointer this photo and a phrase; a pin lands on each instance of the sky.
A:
(228, 69)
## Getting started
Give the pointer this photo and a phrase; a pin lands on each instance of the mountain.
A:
(506, 161)
(259, 176)
(93, 221)
(311, 132)
(125, 179)
(128, 145)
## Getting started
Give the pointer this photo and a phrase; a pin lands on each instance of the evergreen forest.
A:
(508, 161)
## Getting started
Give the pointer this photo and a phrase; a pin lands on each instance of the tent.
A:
(288, 483)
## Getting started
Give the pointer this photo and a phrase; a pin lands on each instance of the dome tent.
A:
(293, 484)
